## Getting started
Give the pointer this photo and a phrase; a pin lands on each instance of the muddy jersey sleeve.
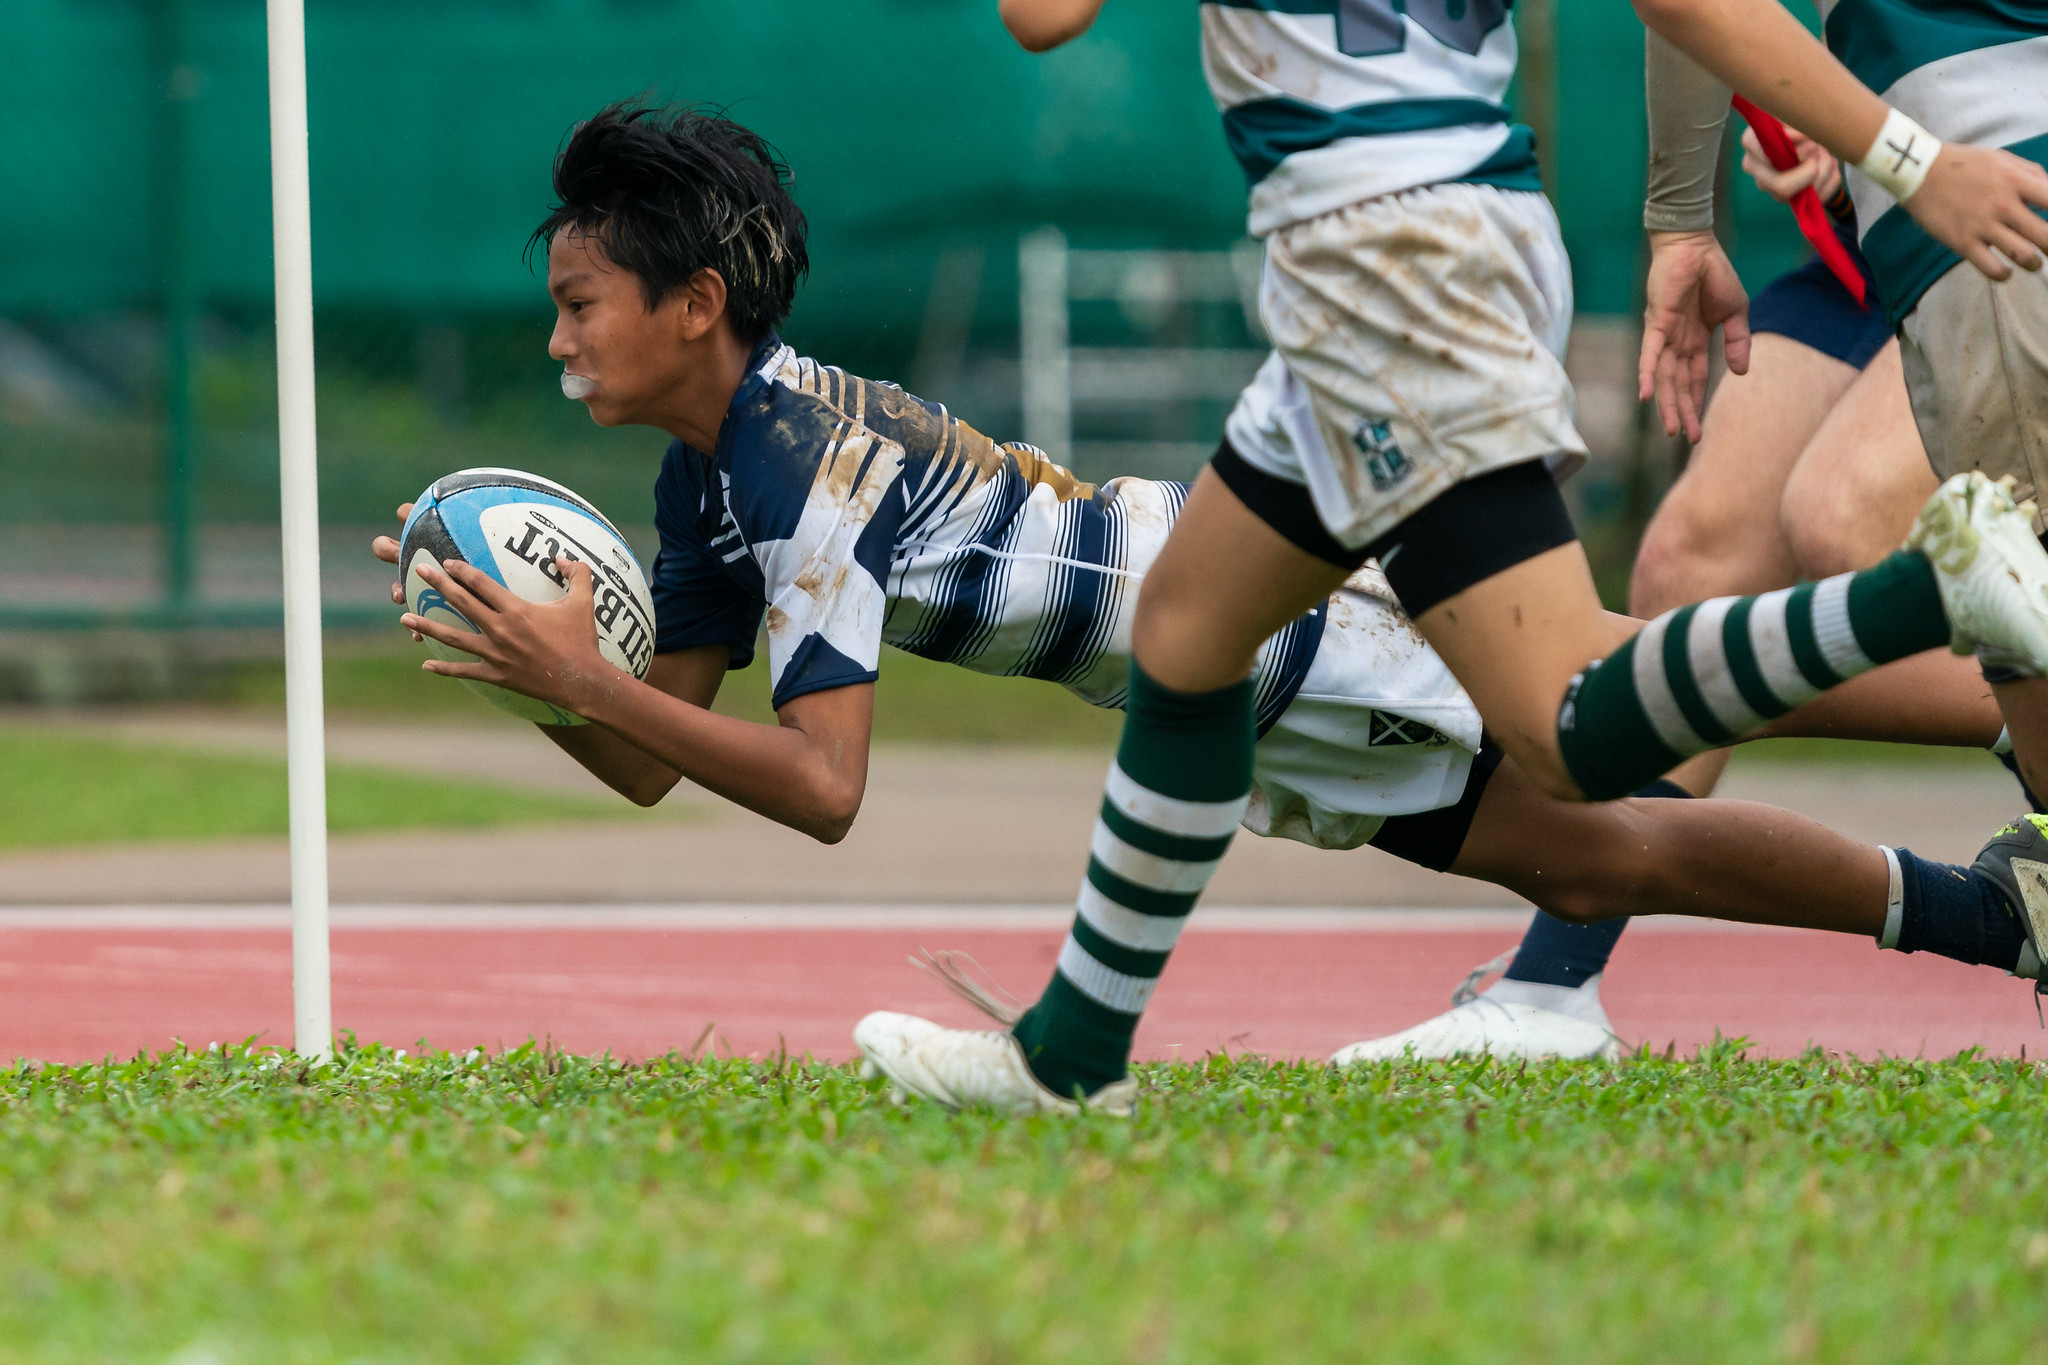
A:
(825, 499)
(698, 600)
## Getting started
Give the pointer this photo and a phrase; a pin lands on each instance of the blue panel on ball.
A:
(459, 514)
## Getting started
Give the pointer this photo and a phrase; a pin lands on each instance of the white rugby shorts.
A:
(1418, 342)
(1379, 728)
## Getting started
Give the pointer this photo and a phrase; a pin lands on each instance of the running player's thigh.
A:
(1864, 476)
(1224, 581)
(1717, 531)
(1515, 641)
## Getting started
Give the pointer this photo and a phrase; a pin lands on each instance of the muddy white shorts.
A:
(1975, 353)
(1379, 728)
(1418, 342)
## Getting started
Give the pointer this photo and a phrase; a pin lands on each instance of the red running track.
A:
(1297, 986)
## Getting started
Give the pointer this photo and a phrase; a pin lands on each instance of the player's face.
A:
(622, 360)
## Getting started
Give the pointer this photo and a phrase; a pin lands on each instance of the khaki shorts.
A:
(1976, 359)
(1419, 342)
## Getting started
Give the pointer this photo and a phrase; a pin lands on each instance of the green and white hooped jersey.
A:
(1973, 71)
(1327, 102)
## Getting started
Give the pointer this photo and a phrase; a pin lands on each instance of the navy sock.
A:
(1957, 913)
(1557, 953)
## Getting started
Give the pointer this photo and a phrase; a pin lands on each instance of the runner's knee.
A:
(1826, 535)
(1690, 551)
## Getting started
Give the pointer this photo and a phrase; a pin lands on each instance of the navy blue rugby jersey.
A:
(848, 513)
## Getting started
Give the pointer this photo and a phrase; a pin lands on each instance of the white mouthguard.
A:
(577, 386)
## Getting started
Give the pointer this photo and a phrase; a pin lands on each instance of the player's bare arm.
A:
(1979, 201)
(1041, 25)
(693, 675)
(808, 772)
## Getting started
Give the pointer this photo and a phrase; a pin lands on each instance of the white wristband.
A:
(1899, 159)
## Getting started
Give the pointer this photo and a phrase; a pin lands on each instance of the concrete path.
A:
(941, 825)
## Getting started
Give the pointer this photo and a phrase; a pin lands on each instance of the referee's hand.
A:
(1692, 291)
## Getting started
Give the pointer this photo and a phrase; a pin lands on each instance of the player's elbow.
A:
(1661, 14)
(828, 817)
(1040, 27)
(646, 790)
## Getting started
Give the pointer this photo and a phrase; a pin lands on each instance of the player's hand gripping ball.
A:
(513, 526)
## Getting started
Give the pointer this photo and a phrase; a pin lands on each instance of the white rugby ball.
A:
(513, 526)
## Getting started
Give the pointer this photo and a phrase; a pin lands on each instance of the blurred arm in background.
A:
(1979, 201)
(1692, 288)
(1042, 25)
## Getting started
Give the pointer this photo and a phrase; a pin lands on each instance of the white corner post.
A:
(298, 468)
(1044, 363)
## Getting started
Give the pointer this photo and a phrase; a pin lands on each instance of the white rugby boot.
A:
(1990, 568)
(969, 1068)
(1512, 1021)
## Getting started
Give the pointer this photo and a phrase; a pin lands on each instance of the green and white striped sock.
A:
(1710, 673)
(1176, 792)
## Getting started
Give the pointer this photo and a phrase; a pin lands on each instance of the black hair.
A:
(669, 191)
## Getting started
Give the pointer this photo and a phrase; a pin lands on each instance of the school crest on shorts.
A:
(1384, 459)
(1386, 729)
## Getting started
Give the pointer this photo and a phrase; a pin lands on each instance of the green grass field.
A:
(68, 789)
(237, 1207)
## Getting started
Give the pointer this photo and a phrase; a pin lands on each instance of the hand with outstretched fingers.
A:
(1692, 291)
(546, 650)
(1984, 204)
(386, 549)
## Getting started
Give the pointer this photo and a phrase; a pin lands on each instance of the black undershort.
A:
(1433, 838)
(1467, 534)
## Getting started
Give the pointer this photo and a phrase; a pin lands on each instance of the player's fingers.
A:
(1988, 262)
(455, 637)
(481, 586)
(2018, 250)
(404, 512)
(385, 548)
(460, 668)
(2033, 230)
(1667, 395)
(1695, 395)
(1735, 342)
(1646, 363)
(581, 582)
(466, 603)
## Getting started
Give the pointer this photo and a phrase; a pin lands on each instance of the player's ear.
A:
(703, 300)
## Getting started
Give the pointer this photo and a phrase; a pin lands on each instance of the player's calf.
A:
(1705, 675)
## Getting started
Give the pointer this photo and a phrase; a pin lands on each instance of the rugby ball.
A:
(514, 526)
